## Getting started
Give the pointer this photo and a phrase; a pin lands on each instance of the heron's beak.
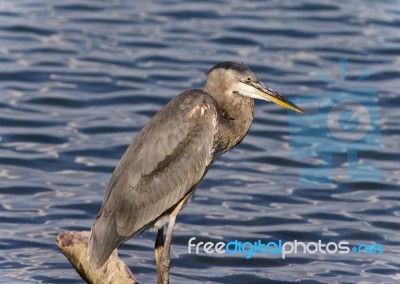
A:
(268, 94)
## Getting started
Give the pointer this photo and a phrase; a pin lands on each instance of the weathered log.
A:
(74, 244)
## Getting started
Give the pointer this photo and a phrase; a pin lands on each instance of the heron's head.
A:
(233, 78)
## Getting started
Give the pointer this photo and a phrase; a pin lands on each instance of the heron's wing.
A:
(166, 159)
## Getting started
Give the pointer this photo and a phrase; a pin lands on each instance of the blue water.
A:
(79, 79)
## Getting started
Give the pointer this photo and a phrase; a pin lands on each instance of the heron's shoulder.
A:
(195, 100)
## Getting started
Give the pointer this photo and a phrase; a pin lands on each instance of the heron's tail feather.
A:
(103, 240)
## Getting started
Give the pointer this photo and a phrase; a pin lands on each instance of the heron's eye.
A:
(247, 80)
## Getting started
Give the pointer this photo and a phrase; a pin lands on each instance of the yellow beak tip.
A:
(293, 107)
(274, 97)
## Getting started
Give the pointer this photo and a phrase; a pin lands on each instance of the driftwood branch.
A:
(74, 245)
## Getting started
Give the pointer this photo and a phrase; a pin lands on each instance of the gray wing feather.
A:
(160, 167)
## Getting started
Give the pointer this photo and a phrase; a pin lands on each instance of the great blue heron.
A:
(167, 160)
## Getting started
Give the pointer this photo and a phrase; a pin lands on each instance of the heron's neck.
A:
(238, 119)
(235, 119)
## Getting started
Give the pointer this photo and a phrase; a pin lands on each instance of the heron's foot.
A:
(164, 269)
(163, 266)
(159, 251)
(159, 265)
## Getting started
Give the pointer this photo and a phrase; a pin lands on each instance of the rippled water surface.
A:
(79, 79)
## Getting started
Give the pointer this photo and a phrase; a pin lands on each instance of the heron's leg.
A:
(158, 249)
(165, 257)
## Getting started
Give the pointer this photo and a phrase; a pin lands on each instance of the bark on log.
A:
(74, 244)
